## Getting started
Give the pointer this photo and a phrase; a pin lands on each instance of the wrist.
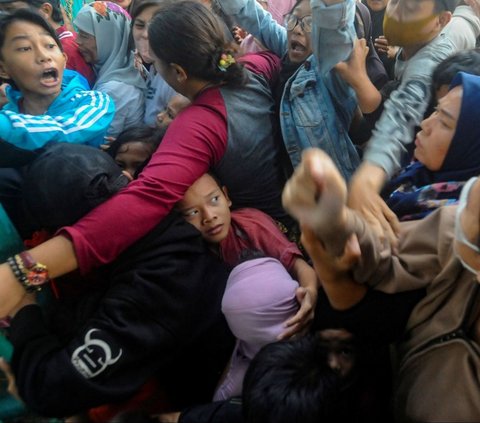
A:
(370, 176)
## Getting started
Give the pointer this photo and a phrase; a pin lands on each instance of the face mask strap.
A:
(459, 234)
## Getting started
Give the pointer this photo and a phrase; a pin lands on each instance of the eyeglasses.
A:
(291, 21)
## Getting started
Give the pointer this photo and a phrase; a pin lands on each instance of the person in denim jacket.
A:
(316, 106)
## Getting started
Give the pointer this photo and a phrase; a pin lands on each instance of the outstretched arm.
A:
(316, 196)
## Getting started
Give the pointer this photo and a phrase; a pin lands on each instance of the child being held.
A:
(133, 148)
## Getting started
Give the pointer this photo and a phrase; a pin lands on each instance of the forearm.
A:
(305, 275)
(59, 257)
(254, 19)
(343, 292)
(368, 176)
(369, 98)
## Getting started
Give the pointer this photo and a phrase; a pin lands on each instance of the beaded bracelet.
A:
(29, 273)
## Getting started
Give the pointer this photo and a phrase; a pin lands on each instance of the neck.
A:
(196, 87)
(36, 106)
(410, 51)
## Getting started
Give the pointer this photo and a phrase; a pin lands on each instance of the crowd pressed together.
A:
(239, 211)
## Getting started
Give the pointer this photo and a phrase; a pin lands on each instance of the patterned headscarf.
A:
(110, 25)
(418, 191)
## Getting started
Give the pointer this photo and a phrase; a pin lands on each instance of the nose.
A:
(208, 215)
(334, 362)
(43, 55)
(297, 29)
(425, 125)
(144, 33)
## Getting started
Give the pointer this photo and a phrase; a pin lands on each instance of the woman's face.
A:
(87, 45)
(140, 32)
(433, 141)
(32, 58)
(299, 39)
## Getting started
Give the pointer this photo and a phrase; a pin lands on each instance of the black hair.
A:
(290, 381)
(190, 35)
(464, 61)
(445, 5)
(141, 5)
(57, 16)
(141, 133)
(24, 15)
(138, 7)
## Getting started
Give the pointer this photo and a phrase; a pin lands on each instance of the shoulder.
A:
(264, 63)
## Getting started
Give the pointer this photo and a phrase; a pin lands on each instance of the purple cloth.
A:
(259, 298)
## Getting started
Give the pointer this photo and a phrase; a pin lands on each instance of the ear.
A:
(225, 193)
(66, 58)
(3, 72)
(179, 72)
(46, 9)
(444, 18)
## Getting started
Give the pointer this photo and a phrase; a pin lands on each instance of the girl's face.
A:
(140, 32)
(32, 59)
(299, 32)
(132, 155)
(433, 141)
(87, 45)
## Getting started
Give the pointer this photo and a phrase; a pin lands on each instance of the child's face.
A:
(87, 46)
(299, 38)
(131, 155)
(342, 354)
(207, 207)
(176, 104)
(433, 141)
(33, 60)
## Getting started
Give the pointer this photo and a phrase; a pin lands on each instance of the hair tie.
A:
(226, 60)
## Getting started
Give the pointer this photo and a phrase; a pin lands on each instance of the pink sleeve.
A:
(194, 142)
(266, 236)
(264, 63)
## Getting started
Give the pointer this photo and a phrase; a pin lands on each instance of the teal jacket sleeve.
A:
(84, 121)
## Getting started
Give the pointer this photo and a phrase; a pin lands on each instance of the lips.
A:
(297, 47)
(215, 230)
(49, 77)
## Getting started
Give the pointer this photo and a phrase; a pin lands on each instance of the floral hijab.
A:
(417, 191)
(110, 25)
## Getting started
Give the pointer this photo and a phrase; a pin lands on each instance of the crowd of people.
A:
(239, 211)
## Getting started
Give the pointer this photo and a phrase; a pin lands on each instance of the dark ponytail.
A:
(190, 35)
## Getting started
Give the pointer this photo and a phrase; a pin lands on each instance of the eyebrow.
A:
(441, 110)
(27, 37)
(211, 193)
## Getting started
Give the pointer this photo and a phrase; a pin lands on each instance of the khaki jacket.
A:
(438, 362)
